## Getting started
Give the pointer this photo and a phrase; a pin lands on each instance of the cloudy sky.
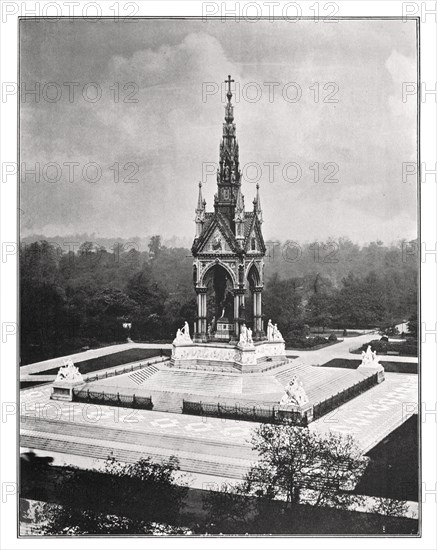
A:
(173, 129)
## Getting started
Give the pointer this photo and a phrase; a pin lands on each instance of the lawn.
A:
(389, 366)
(113, 360)
(311, 343)
(407, 348)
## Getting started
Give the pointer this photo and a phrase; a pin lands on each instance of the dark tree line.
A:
(70, 300)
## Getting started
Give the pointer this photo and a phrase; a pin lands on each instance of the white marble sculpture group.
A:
(273, 333)
(369, 358)
(69, 373)
(294, 394)
(183, 335)
(245, 336)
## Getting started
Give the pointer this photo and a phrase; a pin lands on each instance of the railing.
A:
(256, 413)
(123, 370)
(235, 412)
(207, 368)
(328, 405)
(117, 399)
(276, 365)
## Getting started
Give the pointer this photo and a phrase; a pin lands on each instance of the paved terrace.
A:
(206, 446)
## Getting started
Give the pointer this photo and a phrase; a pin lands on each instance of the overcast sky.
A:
(171, 130)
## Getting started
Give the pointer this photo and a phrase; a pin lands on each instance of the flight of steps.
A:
(129, 436)
(141, 375)
(198, 455)
(259, 384)
(232, 468)
(266, 366)
(320, 383)
(284, 373)
(183, 381)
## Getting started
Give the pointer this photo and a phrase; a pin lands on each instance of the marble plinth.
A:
(241, 358)
(63, 391)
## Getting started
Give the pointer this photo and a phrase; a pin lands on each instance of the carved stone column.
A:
(257, 312)
(201, 333)
(238, 309)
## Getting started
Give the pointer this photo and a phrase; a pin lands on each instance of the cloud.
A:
(170, 131)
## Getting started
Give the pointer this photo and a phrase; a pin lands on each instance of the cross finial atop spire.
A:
(228, 82)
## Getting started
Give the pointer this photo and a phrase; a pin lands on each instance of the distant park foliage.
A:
(92, 296)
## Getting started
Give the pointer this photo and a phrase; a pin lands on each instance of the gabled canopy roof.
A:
(215, 220)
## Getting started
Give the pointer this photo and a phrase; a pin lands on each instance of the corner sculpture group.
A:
(273, 334)
(183, 335)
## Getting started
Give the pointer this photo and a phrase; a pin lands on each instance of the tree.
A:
(296, 466)
(144, 497)
(283, 302)
(412, 325)
(318, 311)
(155, 246)
(299, 464)
(228, 510)
(389, 507)
(360, 302)
(60, 306)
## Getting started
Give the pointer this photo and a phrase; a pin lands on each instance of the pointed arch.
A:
(253, 272)
(211, 265)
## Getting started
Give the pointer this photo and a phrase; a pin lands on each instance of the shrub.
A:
(304, 343)
(404, 348)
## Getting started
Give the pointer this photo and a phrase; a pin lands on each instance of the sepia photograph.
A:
(219, 267)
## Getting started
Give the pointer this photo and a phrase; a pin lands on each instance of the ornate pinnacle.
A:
(239, 205)
(200, 201)
(257, 204)
(200, 212)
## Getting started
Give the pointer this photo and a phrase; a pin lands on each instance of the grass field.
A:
(113, 360)
(389, 366)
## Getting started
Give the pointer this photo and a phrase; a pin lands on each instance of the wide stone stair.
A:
(183, 381)
(127, 445)
(141, 375)
(320, 383)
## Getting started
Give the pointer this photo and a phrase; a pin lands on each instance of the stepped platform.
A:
(169, 386)
(206, 446)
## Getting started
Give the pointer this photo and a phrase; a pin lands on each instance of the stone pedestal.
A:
(381, 375)
(63, 391)
(68, 378)
(225, 330)
(246, 356)
(375, 368)
(271, 348)
(300, 415)
(369, 363)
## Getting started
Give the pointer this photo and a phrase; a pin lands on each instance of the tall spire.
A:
(228, 173)
(257, 205)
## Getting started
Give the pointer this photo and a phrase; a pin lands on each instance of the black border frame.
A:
(419, 251)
